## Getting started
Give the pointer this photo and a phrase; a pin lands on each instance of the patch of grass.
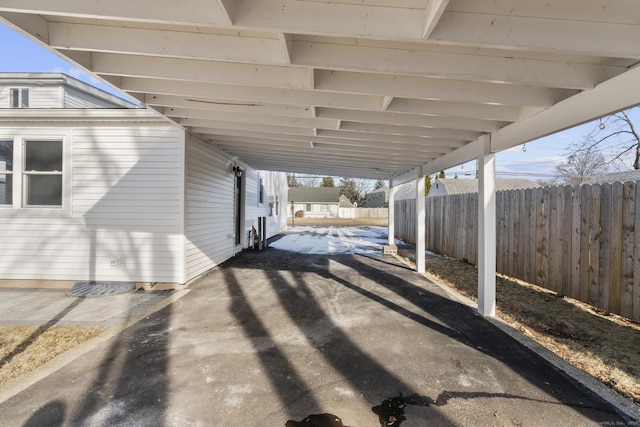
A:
(603, 345)
(25, 348)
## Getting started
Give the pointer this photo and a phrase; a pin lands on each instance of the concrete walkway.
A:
(274, 336)
(54, 307)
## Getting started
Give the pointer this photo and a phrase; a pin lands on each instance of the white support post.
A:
(420, 224)
(486, 229)
(392, 213)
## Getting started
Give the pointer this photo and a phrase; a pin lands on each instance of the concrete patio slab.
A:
(53, 307)
(274, 336)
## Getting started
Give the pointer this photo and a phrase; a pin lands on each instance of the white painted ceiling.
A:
(362, 88)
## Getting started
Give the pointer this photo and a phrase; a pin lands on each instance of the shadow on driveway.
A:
(273, 337)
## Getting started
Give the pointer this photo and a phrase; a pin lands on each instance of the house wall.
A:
(437, 189)
(209, 206)
(274, 186)
(39, 96)
(122, 212)
(74, 98)
(143, 202)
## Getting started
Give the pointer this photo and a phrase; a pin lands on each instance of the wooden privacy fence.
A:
(582, 241)
(370, 213)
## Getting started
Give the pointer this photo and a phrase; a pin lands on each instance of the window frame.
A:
(18, 204)
(18, 94)
(25, 174)
(11, 172)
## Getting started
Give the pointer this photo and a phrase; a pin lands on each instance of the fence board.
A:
(566, 266)
(594, 246)
(605, 245)
(542, 237)
(628, 238)
(514, 222)
(554, 239)
(576, 235)
(530, 239)
(615, 269)
(585, 242)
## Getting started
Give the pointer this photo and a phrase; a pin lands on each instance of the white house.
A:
(314, 202)
(94, 188)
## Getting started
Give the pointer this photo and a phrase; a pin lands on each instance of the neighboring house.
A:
(112, 192)
(626, 176)
(314, 202)
(377, 198)
(444, 187)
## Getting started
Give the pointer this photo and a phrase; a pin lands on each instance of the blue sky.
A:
(538, 162)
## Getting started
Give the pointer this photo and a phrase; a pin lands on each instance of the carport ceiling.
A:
(363, 88)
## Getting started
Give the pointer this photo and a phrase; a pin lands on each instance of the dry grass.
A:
(25, 348)
(603, 345)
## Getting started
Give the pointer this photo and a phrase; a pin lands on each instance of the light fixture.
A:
(237, 171)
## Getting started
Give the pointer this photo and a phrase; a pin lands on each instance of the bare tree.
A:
(583, 163)
(620, 132)
(355, 189)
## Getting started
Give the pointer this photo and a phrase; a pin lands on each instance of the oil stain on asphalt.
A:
(390, 413)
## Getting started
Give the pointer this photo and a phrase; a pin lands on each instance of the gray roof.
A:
(314, 194)
(632, 175)
(459, 186)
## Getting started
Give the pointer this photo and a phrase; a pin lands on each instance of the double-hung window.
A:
(19, 98)
(42, 173)
(31, 172)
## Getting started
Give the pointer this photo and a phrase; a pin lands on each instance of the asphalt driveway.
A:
(274, 336)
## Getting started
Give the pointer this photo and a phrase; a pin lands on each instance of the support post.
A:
(420, 223)
(486, 229)
(392, 213)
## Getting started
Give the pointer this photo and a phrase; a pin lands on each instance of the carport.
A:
(377, 89)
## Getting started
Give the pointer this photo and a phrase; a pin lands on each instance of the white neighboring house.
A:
(314, 202)
(93, 187)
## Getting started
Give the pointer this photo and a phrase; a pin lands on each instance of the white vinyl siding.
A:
(39, 96)
(127, 204)
(274, 184)
(209, 208)
(74, 98)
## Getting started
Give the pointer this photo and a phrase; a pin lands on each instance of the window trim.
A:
(25, 174)
(22, 94)
(11, 172)
(18, 207)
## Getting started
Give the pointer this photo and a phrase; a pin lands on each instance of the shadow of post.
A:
(281, 372)
(131, 385)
